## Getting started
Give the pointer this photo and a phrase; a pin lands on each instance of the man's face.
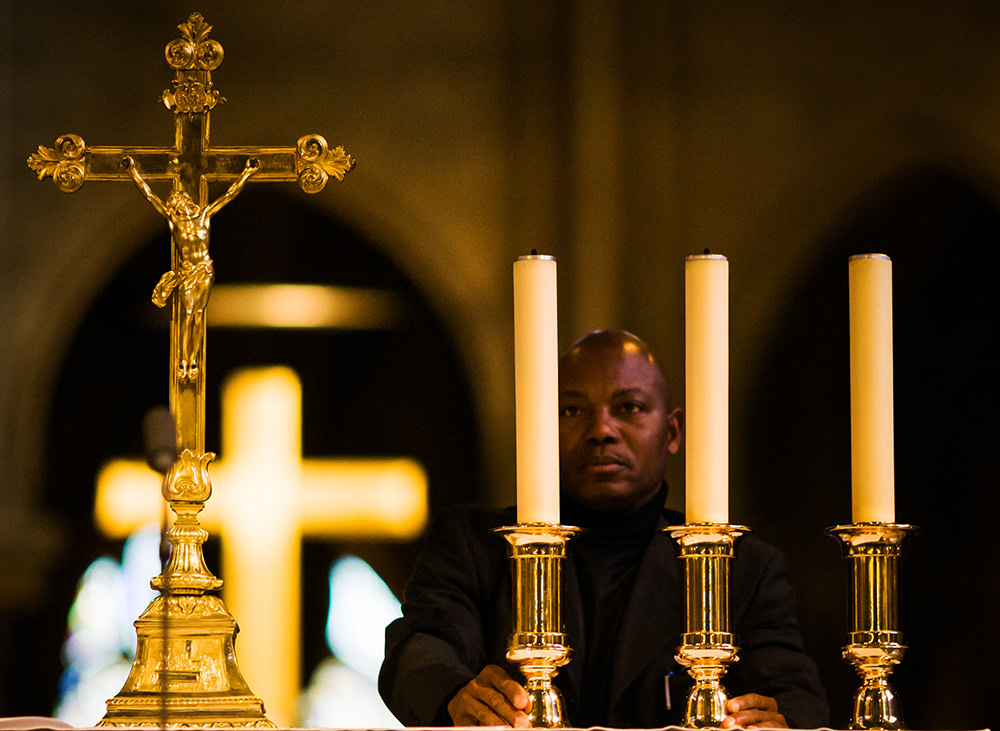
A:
(616, 430)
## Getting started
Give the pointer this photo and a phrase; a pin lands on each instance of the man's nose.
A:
(602, 428)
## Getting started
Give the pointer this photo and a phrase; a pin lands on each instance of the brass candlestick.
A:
(874, 642)
(707, 646)
(537, 643)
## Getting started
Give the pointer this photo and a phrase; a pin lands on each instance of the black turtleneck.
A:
(606, 558)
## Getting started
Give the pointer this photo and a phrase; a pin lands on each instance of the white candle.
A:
(706, 287)
(536, 389)
(872, 468)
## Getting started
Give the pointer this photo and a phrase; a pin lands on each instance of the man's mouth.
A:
(603, 464)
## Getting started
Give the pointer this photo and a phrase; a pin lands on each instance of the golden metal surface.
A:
(185, 673)
(707, 646)
(193, 275)
(201, 683)
(186, 487)
(874, 643)
(537, 643)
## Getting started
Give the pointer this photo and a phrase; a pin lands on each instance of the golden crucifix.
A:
(190, 164)
(185, 672)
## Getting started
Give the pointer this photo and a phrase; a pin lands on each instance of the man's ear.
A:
(675, 430)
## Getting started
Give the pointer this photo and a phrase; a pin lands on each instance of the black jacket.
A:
(457, 619)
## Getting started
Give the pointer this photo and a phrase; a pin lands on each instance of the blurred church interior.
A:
(619, 137)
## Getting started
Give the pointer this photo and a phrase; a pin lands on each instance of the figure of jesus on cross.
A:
(192, 278)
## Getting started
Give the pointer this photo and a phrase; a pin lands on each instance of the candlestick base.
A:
(875, 705)
(537, 644)
(874, 645)
(186, 677)
(707, 647)
(707, 657)
(539, 665)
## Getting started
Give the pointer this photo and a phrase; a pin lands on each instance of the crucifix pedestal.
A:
(185, 673)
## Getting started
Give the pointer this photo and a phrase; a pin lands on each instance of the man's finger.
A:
(751, 701)
(515, 693)
(753, 711)
(512, 691)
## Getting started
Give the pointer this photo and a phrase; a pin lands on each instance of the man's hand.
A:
(492, 698)
(753, 711)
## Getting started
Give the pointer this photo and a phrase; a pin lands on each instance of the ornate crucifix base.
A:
(185, 673)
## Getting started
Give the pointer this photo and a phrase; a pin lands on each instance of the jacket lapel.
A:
(653, 618)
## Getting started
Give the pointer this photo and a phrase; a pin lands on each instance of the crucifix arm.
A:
(129, 164)
(252, 166)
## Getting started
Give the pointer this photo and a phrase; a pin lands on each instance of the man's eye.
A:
(569, 411)
(632, 407)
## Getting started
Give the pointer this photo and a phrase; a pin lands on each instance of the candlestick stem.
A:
(537, 644)
(707, 646)
(874, 643)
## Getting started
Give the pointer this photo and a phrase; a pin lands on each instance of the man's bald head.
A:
(608, 342)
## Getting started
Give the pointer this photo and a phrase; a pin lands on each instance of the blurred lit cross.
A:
(266, 499)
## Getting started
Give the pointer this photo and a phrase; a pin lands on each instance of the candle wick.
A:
(534, 252)
(706, 250)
